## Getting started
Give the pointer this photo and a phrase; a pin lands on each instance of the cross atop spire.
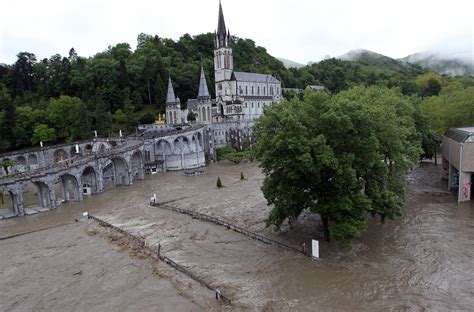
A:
(203, 91)
(170, 97)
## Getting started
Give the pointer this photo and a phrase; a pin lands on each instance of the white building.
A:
(240, 96)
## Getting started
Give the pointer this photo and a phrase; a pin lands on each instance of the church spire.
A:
(203, 91)
(170, 97)
(221, 31)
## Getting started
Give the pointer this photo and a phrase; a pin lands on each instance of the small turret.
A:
(170, 97)
(203, 93)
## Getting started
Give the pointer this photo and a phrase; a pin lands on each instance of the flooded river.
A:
(422, 261)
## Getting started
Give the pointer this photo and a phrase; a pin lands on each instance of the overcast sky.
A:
(299, 30)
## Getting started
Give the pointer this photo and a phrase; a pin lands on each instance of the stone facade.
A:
(47, 156)
(240, 97)
(178, 150)
(87, 174)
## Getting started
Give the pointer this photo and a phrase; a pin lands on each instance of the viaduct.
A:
(86, 168)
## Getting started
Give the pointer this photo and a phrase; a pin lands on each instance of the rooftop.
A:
(461, 135)
(254, 77)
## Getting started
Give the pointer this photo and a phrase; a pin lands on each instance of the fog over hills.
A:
(289, 63)
(451, 64)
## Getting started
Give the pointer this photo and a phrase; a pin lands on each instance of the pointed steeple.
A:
(203, 91)
(170, 97)
(221, 31)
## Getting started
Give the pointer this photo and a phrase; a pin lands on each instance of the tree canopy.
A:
(343, 157)
(120, 86)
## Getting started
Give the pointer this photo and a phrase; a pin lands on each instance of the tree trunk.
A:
(436, 158)
(149, 93)
(326, 228)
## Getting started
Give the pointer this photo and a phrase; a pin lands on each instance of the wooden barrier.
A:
(140, 241)
(233, 227)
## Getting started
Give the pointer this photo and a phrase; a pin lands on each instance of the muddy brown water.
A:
(422, 261)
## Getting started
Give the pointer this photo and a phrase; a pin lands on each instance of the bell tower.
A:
(223, 58)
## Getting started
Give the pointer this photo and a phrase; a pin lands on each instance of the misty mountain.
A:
(377, 60)
(451, 66)
(289, 63)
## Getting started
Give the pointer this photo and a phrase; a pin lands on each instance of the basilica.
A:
(240, 96)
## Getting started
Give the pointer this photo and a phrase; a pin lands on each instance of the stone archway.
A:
(181, 145)
(87, 150)
(121, 172)
(108, 174)
(60, 155)
(163, 149)
(181, 148)
(89, 181)
(7, 203)
(70, 188)
(21, 160)
(136, 165)
(37, 194)
(32, 159)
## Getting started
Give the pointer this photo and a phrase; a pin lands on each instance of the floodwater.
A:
(422, 261)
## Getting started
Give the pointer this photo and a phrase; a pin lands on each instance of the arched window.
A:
(258, 105)
(252, 104)
(246, 90)
(252, 91)
(258, 90)
(264, 91)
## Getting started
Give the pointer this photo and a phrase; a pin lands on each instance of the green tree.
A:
(7, 163)
(147, 118)
(343, 173)
(429, 84)
(7, 118)
(450, 109)
(43, 133)
(191, 116)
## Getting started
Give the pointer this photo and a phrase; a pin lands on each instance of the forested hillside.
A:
(66, 98)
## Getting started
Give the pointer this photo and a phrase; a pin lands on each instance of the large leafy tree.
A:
(70, 118)
(342, 157)
(43, 133)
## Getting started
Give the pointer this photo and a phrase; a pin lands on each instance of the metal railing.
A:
(156, 251)
(233, 227)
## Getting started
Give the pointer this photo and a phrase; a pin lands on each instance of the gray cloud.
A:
(298, 30)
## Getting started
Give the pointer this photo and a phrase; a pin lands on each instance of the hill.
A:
(290, 64)
(451, 66)
(374, 59)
